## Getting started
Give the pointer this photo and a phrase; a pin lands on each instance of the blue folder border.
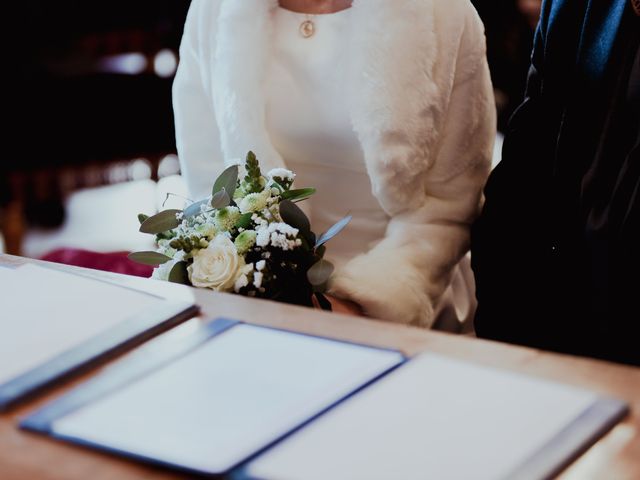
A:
(102, 347)
(130, 370)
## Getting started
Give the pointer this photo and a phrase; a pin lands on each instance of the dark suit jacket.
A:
(538, 282)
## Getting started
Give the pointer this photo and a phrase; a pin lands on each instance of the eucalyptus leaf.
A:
(333, 231)
(228, 180)
(179, 274)
(221, 199)
(194, 208)
(320, 272)
(297, 195)
(161, 222)
(142, 217)
(294, 216)
(149, 258)
(244, 221)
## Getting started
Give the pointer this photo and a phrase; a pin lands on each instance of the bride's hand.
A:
(338, 305)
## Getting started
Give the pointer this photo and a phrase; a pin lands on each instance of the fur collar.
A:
(395, 104)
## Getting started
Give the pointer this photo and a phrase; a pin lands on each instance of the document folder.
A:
(55, 325)
(437, 417)
(210, 400)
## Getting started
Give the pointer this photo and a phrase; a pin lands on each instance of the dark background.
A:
(68, 108)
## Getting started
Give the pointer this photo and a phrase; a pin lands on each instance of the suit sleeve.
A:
(503, 247)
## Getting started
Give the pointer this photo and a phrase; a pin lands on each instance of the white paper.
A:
(45, 312)
(228, 398)
(433, 418)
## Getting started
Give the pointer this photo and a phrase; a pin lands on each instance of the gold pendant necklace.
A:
(307, 28)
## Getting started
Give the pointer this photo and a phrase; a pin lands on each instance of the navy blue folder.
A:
(135, 369)
(97, 350)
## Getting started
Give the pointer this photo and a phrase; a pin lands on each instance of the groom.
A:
(556, 251)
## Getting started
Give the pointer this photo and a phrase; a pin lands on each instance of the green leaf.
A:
(161, 222)
(221, 199)
(149, 258)
(333, 231)
(228, 180)
(278, 185)
(298, 195)
(179, 274)
(142, 217)
(320, 272)
(194, 208)
(244, 221)
(295, 217)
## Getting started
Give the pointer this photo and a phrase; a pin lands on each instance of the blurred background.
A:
(90, 141)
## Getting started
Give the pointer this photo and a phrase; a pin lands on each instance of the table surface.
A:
(29, 456)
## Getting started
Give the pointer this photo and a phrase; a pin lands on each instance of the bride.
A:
(386, 107)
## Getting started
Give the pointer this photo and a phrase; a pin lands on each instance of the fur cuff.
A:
(387, 288)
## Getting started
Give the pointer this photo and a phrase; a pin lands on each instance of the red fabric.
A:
(116, 262)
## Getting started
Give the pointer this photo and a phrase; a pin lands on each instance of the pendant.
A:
(307, 28)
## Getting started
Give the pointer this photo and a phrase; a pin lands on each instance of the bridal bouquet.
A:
(249, 238)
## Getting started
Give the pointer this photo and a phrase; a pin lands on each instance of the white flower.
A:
(260, 265)
(242, 280)
(207, 230)
(254, 202)
(257, 279)
(245, 241)
(216, 266)
(277, 235)
(161, 272)
(282, 173)
(165, 249)
(226, 218)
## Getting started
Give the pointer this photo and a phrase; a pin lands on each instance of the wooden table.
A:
(27, 456)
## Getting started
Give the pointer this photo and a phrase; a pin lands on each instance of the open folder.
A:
(255, 402)
(55, 324)
(214, 398)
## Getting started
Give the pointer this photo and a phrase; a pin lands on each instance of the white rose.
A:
(216, 266)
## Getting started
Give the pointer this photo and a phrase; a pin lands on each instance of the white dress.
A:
(418, 93)
(308, 121)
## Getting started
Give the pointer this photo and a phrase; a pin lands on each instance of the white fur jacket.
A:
(421, 105)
